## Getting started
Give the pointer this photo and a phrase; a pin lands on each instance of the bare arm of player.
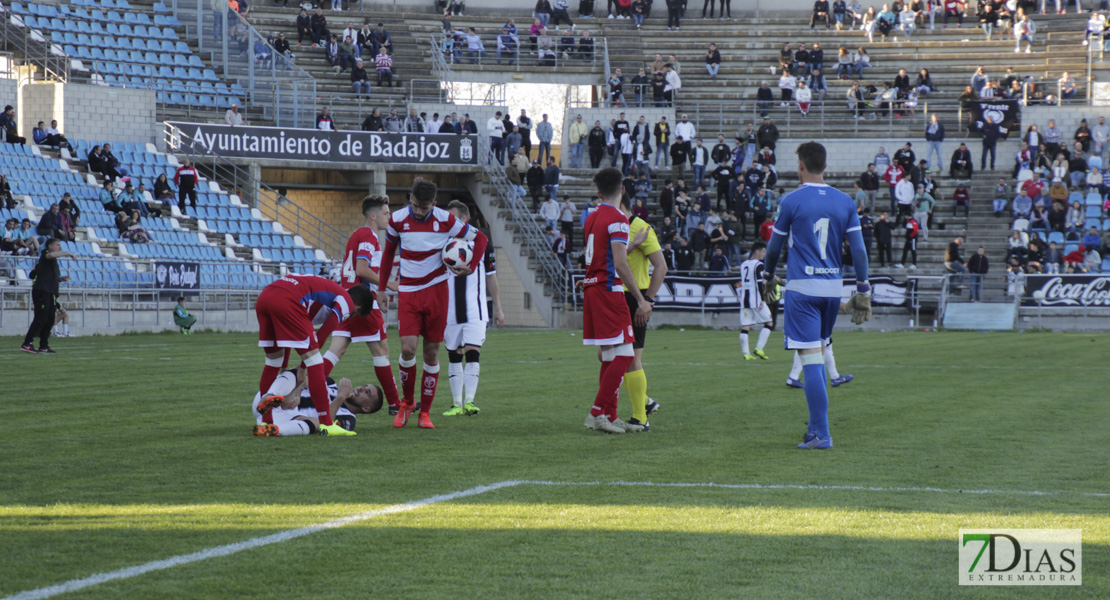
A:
(658, 272)
(343, 392)
(620, 263)
(363, 270)
(388, 255)
(495, 294)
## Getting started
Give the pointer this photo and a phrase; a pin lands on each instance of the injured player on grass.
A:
(287, 407)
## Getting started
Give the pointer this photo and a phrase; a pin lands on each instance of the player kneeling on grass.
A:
(817, 219)
(361, 262)
(794, 379)
(754, 309)
(643, 249)
(287, 310)
(605, 317)
(467, 318)
(287, 407)
(420, 231)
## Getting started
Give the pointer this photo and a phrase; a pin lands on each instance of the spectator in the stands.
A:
(954, 8)
(393, 123)
(6, 199)
(764, 99)
(843, 63)
(474, 48)
(457, 7)
(542, 11)
(466, 126)
(38, 133)
(414, 123)
(135, 232)
(820, 13)
(374, 121)
(1024, 31)
(1076, 219)
(673, 83)
(712, 61)
(233, 117)
(55, 137)
(549, 212)
(551, 178)
(7, 123)
(961, 197)
(282, 49)
(508, 45)
(545, 133)
(129, 200)
(24, 238)
(50, 225)
(560, 13)
(787, 83)
(1022, 206)
(384, 64)
(348, 53)
(185, 179)
(319, 25)
(447, 126)
(323, 120)
(1066, 85)
(534, 177)
(112, 166)
(359, 78)
(1092, 239)
(304, 28)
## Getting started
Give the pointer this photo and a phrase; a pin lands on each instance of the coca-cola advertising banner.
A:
(333, 146)
(1067, 291)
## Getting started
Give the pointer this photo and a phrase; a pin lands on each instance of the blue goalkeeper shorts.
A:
(809, 319)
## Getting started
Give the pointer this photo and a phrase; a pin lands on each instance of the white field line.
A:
(283, 536)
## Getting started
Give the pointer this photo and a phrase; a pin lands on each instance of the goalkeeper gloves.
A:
(771, 288)
(860, 304)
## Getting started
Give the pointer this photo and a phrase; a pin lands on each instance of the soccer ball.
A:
(458, 253)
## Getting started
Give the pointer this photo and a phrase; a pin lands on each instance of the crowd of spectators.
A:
(544, 43)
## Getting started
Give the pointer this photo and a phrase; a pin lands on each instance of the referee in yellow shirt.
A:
(643, 249)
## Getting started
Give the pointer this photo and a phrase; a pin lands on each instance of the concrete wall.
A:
(10, 94)
(89, 111)
(512, 294)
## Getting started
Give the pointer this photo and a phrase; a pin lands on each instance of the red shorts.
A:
(605, 318)
(283, 322)
(369, 328)
(424, 313)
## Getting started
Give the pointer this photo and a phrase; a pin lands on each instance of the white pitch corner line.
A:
(284, 536)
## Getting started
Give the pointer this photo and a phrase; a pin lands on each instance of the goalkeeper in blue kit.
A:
(816, 219)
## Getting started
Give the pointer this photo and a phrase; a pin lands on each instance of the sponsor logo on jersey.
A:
(406, 226)
(822, 270)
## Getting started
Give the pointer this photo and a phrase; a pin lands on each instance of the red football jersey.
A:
(314, 294)
(605, 225)
(363, 244)
(421, 242)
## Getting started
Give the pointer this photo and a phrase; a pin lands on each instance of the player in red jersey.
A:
(287, 311)
(360, 265)
(420, 231)
(605, 319)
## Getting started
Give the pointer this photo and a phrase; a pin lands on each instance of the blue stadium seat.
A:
(112, 28)
(1093, 198)
(181, 47)
(196, 74)
(18, 9)
(1094, 211)
(123, 4)
(195, 61)
(168, 33)
(140, 31)
(143, 19)
(207, 75)
(161, 7)
(130, 18)
(179, 60)
(97, 15)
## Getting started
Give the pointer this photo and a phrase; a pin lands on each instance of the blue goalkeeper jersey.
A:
(817, 218)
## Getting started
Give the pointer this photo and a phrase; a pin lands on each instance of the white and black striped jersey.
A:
(466, 295)
(751, 283)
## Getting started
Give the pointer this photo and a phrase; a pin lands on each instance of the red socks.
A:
(428, 389)
(612, 374)
(385, 378)
(318, 388)
(408, 379)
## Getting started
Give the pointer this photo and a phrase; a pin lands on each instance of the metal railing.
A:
(271, 204)
(831, 116)
(284, 91)
(531, 234)
(524, 58)
(50, 62)
(123, 273)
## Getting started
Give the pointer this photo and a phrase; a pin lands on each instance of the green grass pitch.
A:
(123, 450)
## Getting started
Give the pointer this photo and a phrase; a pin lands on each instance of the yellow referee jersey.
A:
(638, 258)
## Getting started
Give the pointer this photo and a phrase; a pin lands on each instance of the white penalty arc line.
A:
(290, 534)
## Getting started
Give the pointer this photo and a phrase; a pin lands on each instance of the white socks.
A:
(764, 334)
(744, 343)
(796, 370)
(471, 380)
(455, 378)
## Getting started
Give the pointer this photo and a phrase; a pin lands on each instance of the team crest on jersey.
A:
(429, 381)
(435, 226)
(406, 226)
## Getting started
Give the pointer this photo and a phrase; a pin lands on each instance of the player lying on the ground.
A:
(605, 313)
(287, 407)
(816, 219)
(793, 380)
(754, 309)
(420, 231)
(467, 319)
(287, 311)
(360, 266)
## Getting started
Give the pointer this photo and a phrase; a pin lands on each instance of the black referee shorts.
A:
(638, 332)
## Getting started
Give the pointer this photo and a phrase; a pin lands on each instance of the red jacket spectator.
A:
(894, 174)
(961, 196)
(765, 230)
(1033, 187)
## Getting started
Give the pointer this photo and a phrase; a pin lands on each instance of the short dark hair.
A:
(181, 298)
(758, 246)
(460, 206)
(424, 191)
(373, 202)
(363, 299)
(608, 182)
(813, 157)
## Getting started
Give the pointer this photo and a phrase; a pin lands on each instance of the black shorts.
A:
(637, 331)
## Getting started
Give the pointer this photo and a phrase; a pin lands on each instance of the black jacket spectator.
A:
(978, 264)
(358, 73)
(372, 123)
(304, 27)
(768, 135)
(868, 181)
